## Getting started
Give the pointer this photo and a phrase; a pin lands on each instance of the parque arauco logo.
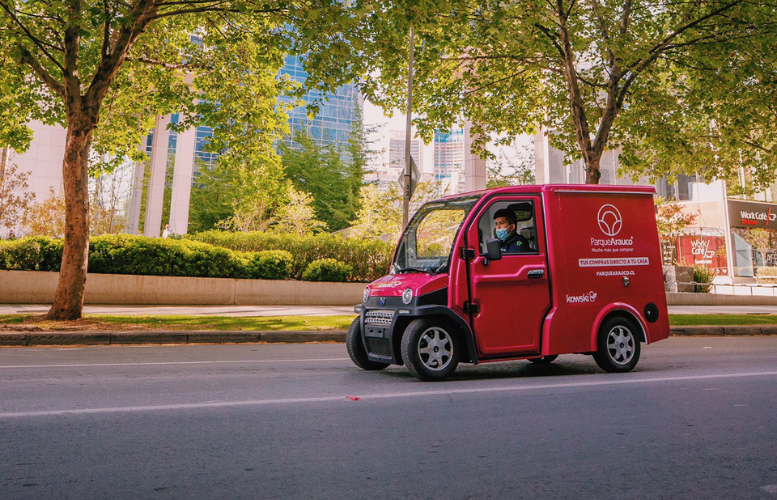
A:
(610, 220)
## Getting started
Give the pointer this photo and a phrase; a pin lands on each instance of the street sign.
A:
(415, 177)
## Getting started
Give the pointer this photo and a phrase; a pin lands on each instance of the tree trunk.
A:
(592, 172)
(69, 298)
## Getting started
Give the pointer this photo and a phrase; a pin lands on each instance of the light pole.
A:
(406, 188)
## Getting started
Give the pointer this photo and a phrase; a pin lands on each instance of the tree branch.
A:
(41, 72)
(39, 43)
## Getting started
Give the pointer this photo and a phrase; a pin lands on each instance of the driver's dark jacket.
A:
(515, 243)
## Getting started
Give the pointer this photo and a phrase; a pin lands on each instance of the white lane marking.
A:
(772, 488)
(162, 363)
(396, 395)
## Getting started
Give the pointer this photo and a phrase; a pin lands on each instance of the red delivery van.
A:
(520, 272)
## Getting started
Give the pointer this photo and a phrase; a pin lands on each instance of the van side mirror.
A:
(493, 249)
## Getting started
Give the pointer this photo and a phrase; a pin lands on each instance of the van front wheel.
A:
(618, 346)
(356, 350)
(430, 349)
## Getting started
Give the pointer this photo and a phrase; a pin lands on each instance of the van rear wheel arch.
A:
(627, 315)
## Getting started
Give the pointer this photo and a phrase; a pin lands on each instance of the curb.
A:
(727, 331)
(158, 337)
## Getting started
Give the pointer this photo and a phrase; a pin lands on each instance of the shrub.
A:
(703, 275)
(37, 253)
(369, 259)
(327, 270)
(269, 265)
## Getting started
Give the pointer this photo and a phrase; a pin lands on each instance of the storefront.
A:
(753, 230)
(732, 237)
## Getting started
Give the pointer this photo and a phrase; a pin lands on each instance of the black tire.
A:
(430, 349)
(618, 346)
(355, 346)
(545, 360)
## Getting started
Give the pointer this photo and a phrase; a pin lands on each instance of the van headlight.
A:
(366, 295)
(407, 296)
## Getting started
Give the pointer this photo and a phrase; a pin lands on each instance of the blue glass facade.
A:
(333, 123)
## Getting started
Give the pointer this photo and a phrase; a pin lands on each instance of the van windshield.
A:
(426, 244)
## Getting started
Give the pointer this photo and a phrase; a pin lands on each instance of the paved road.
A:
(308, 310)
(697, 419)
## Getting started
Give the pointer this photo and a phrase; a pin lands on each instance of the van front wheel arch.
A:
(356, 350)
(430, 349)
(618, 346)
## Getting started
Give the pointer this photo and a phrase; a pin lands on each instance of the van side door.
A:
(509, 296)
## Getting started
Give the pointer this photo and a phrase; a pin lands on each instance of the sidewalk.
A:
(154, 337)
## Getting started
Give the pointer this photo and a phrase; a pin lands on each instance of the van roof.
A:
(554, 188)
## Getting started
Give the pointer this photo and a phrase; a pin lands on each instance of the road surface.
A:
(697, 419)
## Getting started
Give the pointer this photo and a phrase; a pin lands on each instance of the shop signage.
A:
(748, 214)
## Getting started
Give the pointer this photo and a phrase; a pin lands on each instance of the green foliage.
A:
(320, 170)
(212, 195)
(679, 86)
(126, 254)
(327, 270)
(270, 265)
(370, 259)
(37, 253)
(703, 275)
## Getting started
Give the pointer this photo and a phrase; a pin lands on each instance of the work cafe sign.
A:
(751, 214)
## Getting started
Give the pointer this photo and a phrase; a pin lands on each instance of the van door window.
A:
(513, 223)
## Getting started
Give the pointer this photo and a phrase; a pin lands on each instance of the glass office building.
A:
(335, 119)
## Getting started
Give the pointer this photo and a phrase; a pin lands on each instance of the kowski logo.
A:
(610, 220)
(586, 298)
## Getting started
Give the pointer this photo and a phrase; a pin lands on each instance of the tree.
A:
(508, 170)
(297, 215)
(47, 217)
(211, 197)
(321, 171)
(650, 77)
(15, 200)
(110, 191)
(380, 213)
(760, 239)
(84, 63)
(670, 219)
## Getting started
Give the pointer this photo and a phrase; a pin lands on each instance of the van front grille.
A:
(379, 317)
(379, 347)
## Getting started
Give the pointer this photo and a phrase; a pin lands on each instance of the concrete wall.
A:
(34, 287)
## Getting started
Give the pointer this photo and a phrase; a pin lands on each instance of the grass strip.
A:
(722, 319)
(300, 323)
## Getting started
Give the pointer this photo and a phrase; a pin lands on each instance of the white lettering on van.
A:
(624, 261)
(612, 242)
(585, 298)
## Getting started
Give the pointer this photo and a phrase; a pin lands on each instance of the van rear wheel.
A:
(356, 350)
(430, 349)
(618, 346)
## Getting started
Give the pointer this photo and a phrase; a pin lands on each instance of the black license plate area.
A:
(376, 332)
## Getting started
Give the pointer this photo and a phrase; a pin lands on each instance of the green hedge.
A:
(127, 254)
(38, 253)
(327, 270)
(369, 259)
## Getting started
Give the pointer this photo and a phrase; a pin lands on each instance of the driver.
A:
(512, 242)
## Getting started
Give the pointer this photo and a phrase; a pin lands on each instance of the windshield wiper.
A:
(443, 267)
(412, 270)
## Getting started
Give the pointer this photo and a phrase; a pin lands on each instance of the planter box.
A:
(37, 287)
